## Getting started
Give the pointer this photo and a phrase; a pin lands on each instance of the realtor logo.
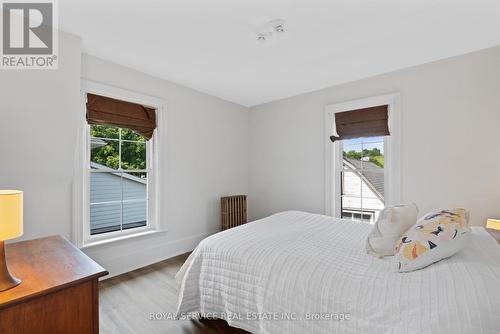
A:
(29, 35)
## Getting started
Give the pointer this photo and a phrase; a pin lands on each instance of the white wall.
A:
(205, 156)
(38, 111)
(205, 151)
(450, 139)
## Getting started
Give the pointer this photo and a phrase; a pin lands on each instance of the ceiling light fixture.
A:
(271, 29)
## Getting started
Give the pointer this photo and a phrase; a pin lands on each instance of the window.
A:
(362, 174)
(358, 216)
(117, 168)
(362, 178)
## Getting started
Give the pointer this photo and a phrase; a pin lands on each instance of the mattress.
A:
(296, 272)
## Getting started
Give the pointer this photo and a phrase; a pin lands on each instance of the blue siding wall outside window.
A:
(105, 197)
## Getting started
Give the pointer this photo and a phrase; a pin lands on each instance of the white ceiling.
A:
(209, 45)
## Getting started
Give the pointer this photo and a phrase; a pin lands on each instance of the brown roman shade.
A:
(107, 111)
(366, 122)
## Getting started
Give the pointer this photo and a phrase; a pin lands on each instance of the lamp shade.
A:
(11, 214)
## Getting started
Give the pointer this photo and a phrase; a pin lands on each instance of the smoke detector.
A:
(272, 29)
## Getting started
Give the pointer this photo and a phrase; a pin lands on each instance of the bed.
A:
(296, 272)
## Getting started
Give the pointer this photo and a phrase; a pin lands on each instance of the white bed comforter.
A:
(275, 274)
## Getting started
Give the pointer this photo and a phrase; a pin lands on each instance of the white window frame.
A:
(392, 151)
(81, 191)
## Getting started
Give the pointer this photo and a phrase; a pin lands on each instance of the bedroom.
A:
(241, 99)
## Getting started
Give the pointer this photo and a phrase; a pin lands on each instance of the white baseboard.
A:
(142, 256)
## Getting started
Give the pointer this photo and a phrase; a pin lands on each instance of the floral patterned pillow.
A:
(435, 236)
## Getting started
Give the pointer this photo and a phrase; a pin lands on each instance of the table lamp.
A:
(493, 224)
(11, 226)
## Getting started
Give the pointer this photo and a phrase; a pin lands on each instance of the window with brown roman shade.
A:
(103, 110)
(366, 122)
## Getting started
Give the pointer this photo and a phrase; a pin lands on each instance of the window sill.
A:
(95, 243)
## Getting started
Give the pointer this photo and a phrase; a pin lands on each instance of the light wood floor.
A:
(126, 302)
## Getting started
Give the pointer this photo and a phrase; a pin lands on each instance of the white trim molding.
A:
(392, 143)
(80, 225)
(118, 260)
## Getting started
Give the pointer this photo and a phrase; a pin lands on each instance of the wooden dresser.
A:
(58, 293)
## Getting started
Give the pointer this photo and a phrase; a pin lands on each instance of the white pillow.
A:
(392, 222)
(435, 236)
